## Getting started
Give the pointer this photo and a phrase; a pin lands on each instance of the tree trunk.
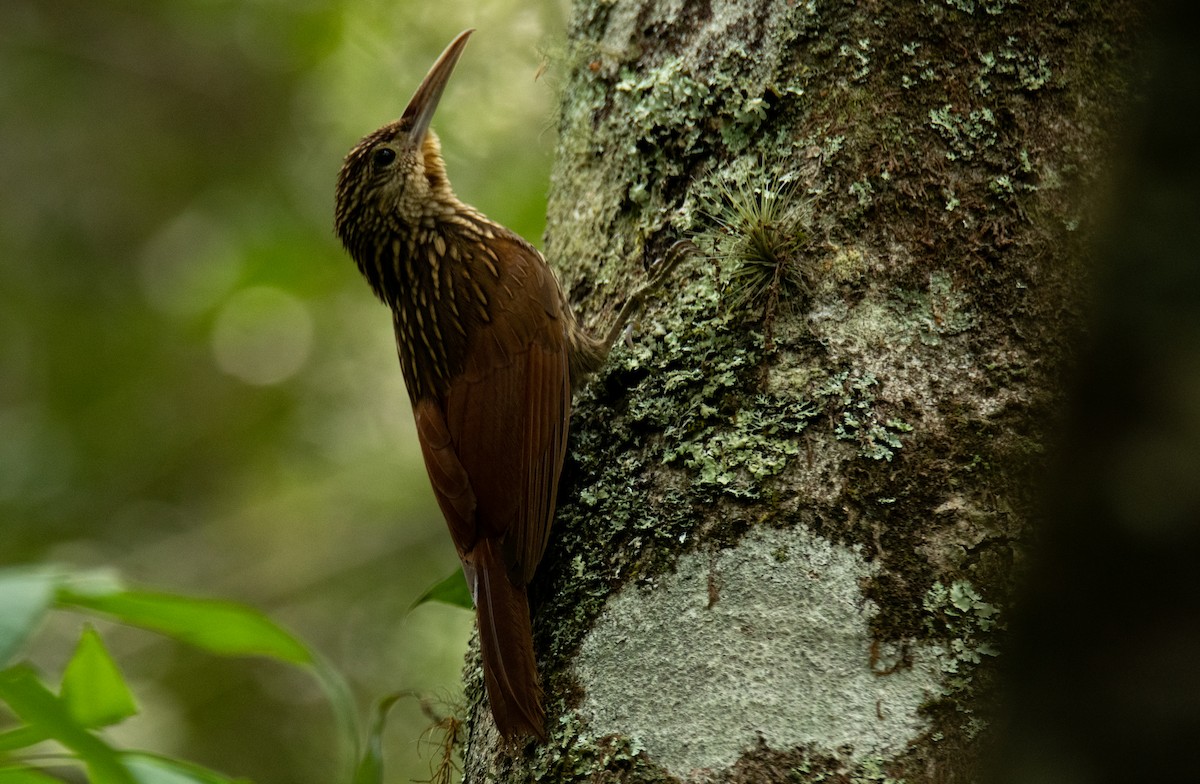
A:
(791, 521)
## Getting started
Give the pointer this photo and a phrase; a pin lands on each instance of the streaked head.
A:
(395, 174)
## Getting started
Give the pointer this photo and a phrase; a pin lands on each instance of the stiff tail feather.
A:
(506, 642)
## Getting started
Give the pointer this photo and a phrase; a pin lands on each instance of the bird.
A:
(490, 350)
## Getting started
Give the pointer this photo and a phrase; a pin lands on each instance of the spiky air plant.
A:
(757, 242)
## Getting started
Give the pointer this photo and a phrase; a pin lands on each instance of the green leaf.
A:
(452, 590)
(153, 769)
(370, 767)
(92, 687)
(25, 776)
(20, 738)
(25, 597)
(220, 627)
(224, 628)
(38, 707)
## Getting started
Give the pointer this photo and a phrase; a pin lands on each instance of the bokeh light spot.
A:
(263, 335)
(189, 265)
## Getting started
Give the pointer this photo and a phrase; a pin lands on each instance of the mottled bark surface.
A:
(794, 508)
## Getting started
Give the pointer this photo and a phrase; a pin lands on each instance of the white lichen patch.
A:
(767, 642)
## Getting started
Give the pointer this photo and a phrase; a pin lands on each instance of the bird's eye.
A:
(383, 157)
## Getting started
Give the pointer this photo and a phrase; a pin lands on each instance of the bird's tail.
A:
(506, 641)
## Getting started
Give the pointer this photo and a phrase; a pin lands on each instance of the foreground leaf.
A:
(41, 709)
(224, 628)
(20, 738)
(370, 767)
(452, 590)
(25, 597)
(92, 686)
(25, 776)
(153, 769)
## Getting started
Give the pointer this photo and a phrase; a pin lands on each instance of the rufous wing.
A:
(507, 414)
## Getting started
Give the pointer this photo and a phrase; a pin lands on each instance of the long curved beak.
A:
(424, 102)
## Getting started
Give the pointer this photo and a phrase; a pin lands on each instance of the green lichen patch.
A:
(715, 422)
(699, 390)
(990, 7)
(756, 445)
(965, 631)
(571, 755)
(965, 134)
(859, 419)
(817, 768)
(1011, 62)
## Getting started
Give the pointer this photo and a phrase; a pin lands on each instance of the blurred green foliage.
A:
(195, 386)
(58, 729)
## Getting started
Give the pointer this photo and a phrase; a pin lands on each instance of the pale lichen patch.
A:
(766, 642)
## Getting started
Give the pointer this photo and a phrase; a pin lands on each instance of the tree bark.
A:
(795, 505)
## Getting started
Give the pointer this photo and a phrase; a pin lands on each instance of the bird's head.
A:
(395, 177)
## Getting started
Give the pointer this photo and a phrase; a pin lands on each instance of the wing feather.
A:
(506, 415)
(450, 481)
